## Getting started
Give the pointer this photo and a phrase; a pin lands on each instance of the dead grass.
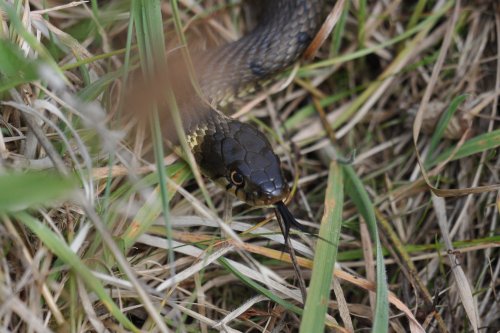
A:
(412, 89)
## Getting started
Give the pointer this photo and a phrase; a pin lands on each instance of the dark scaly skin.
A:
(224, 147)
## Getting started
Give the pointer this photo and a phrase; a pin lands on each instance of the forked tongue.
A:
(288, 220)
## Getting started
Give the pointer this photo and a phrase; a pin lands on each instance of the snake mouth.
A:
(270, 197)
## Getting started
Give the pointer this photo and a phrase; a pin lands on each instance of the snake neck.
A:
(284, 31)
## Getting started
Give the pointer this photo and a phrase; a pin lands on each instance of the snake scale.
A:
(236, 155)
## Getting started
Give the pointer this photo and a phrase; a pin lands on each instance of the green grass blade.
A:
(478, 144)
(64, 253)
(358, 194)
(149, 31)
(338, 31)
(252, 284)
(318, 297)
(89, 60)
(417, 13)
(444, 121)
(23, 190)
(301, 115)
(93, 90)
(361, 23)
(15, 68)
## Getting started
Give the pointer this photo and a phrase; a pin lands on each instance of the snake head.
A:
(239, 158)
(253, 172)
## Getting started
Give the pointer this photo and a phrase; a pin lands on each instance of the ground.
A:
(389, 136)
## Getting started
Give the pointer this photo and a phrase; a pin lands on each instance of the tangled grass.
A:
(96, 237)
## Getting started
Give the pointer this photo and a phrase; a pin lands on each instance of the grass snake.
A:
(236, 155)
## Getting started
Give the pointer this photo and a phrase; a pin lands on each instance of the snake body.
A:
(236, 155)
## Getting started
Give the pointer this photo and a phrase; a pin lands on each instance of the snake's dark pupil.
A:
(236, 178)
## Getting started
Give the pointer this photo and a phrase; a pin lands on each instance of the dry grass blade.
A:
(325, 30)
(343, 306)
(462, 283)
(14, 305)
(135, 244)
(239, 311)
(204, 262)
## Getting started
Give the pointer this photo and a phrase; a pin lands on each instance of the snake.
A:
(236, 155)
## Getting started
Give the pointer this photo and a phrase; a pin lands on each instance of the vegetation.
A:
(390, 136)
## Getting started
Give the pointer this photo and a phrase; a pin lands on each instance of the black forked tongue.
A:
(288, 220)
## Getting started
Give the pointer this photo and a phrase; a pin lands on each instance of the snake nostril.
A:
(271, 192)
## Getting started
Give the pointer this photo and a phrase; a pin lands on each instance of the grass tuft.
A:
(103, 229)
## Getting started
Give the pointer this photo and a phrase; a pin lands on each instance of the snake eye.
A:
(237, 178)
